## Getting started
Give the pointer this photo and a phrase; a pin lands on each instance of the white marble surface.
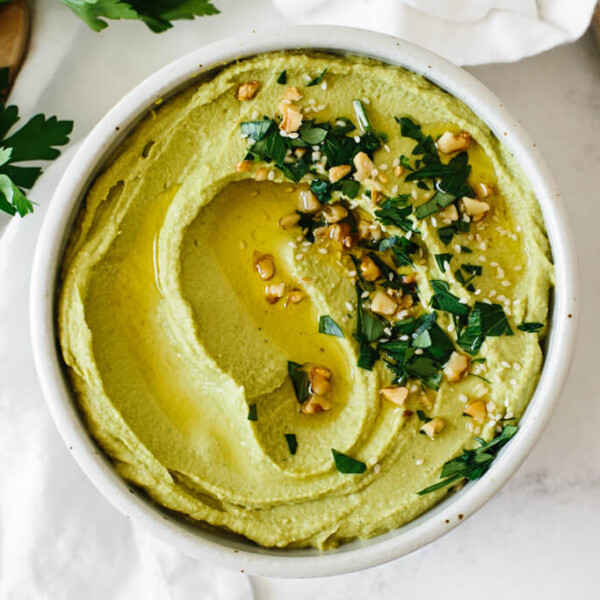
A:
(540, 536)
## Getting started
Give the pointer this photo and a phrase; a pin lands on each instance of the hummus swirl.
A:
(168, 339)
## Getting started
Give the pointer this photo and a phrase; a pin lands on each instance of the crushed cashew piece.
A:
(264, 265)
(395, 394)
(292, 118)
(449, 142)
(334, 212)
(274, 292)
(339, 172)
(247, 91)
(476, 209)
(477, 410)
(316, 404)
(382, 304)
(369, 269)
(432, 427)
(243, 166)
(364, 166)
(289, 220)
(307, 202)
(456, 367)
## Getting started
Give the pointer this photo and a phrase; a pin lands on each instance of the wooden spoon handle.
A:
(14, 36)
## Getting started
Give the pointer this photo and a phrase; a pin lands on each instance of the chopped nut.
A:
(409, 278)
(316, 404)
(456, 367)
(300, 152)
(295, 296)
(382, 304)
(477, 410)
(398, 170)
(369, 269)
(274, 292)
(396, 395)
(450, 213)
(292, 118)
(247, 91)
(334, 212)
(375, 196)
(364, 166)
(432, 427)
(407, 301)
(261, 174)
(341, 233)
(307, 202)
(292, 94)
(339, 172)
(483, 190)
(383, 178)
(243, 166)
(290, 220)
(320, 380)
(476, 209)
(264, 265)
(450, 142)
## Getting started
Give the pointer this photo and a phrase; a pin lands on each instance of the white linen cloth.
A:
(58, 537)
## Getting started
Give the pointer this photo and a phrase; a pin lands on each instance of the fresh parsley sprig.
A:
(37, 140)
(156, 14)
(472, 464)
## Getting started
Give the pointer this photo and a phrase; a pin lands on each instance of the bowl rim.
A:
(108, 134)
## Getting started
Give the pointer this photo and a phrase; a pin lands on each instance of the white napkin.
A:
(58, 537)
(468, 32)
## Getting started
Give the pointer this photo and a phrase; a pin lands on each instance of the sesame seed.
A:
(299, 256)
(376, 468)
(482, 258)
(403, 338)
(306, 77)
(357, 139)
(505, 364)
(457, 248)
(494, 264)
(322, 250)
(518, 228)
(419, 351)
(516, 366)
(446, 265)
(372, 461)
(366, 100)
(513, 382)
(387, 331)
(394, 190)
(409, 234)
(292, 244)
(477, 292)
(517, 268)
(414, 388)
(351, 273)
(451, 327)
(434, 221)
(463, 398)
(505, 283)
(271, 176)
(492, 293)
(419, 461)
(324, 85)
(386, 148)
(349, 306)
(293, 135)
(414, 194)
(382, 167)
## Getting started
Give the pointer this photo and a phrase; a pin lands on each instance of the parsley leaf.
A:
(394, 211)
(317, 80)
(472, 464)
(300, 381)
(439, 200)
(446, 301)
(292, 442)
(530, 327)
(282, 79)
(252, 413)
(157, 14)
(346, 464)
(441, 260)
(36, 140)
(328, 326)
(484, 320)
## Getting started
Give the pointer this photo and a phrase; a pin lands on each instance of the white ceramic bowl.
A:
(219, 548)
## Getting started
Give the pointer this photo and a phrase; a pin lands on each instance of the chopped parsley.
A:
(292, 442)
(532, 327)
(472, 464)
(443, 299)
(317, 80)
(300, 381)
(484, 320)
(346, 464)
(442, 260)
(252, 413)
(282, 79)
(328, 326)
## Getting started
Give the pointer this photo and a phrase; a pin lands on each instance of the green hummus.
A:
(200, 274)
